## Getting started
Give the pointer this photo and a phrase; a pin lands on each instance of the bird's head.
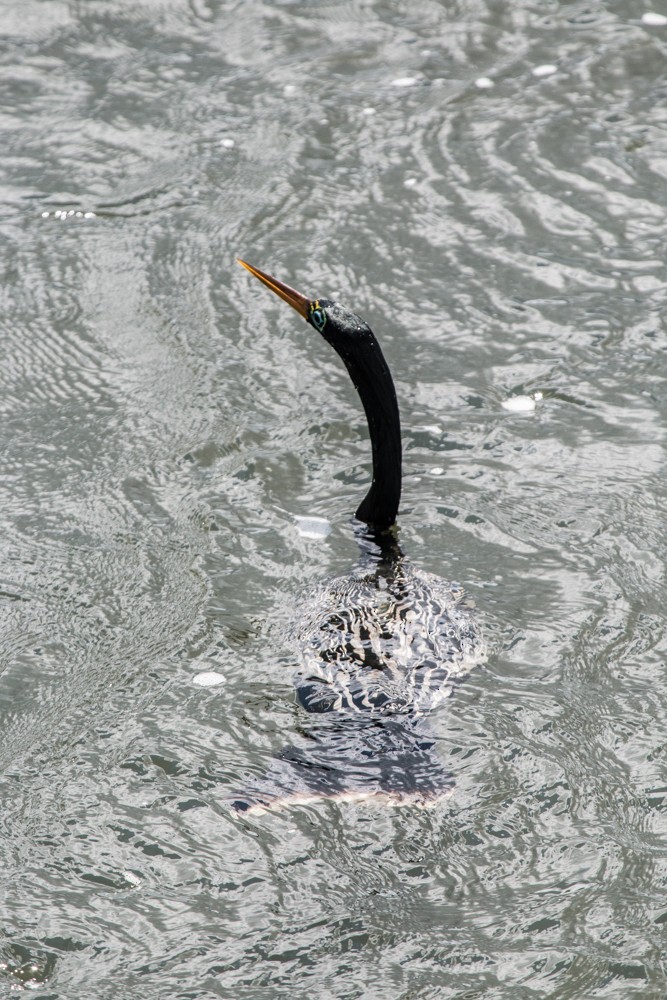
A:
(344, 330)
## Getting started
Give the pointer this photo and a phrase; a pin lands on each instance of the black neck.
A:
(372, 379)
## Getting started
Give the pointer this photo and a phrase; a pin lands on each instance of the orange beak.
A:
(293, 298)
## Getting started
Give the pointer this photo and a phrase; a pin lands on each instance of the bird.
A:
(381, 647)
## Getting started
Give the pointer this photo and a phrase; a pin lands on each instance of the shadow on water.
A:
(353, 760)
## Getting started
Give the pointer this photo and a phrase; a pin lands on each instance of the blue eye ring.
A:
(318, 317)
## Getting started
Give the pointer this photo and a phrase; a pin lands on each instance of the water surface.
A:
(485, 183)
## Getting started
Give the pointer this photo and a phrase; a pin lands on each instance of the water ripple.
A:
(486, 185)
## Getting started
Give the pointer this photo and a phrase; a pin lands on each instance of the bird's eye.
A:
(318, 317)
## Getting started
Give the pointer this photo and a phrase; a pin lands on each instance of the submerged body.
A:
(393, 642)
(382, 647)
(379, 650)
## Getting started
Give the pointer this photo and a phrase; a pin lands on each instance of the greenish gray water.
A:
(485, 183)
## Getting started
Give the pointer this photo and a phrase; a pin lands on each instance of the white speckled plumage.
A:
(390, 642)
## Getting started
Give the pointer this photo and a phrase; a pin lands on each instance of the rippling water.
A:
(486, 184)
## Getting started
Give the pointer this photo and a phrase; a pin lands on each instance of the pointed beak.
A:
(293, 298)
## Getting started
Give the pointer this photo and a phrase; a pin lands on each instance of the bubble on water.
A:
(519, 404)
(68, 213)
(410, 182)
(227, 143)
(208, 678)
(312, 527)
(653, 19)
(546, 69)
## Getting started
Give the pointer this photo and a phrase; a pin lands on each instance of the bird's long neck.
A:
(372, 379)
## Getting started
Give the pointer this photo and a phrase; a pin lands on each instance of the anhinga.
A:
(382, 646)
(354, 341)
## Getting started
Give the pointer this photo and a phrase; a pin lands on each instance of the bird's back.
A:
(393, 641)
(379, 649)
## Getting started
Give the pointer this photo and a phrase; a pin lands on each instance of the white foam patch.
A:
(546, 69)
(208, 679)
(653, 19)
(404, 81)
(132, 878)
(519, 404)
(71, 213)
(484, 82)
(312, 527)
